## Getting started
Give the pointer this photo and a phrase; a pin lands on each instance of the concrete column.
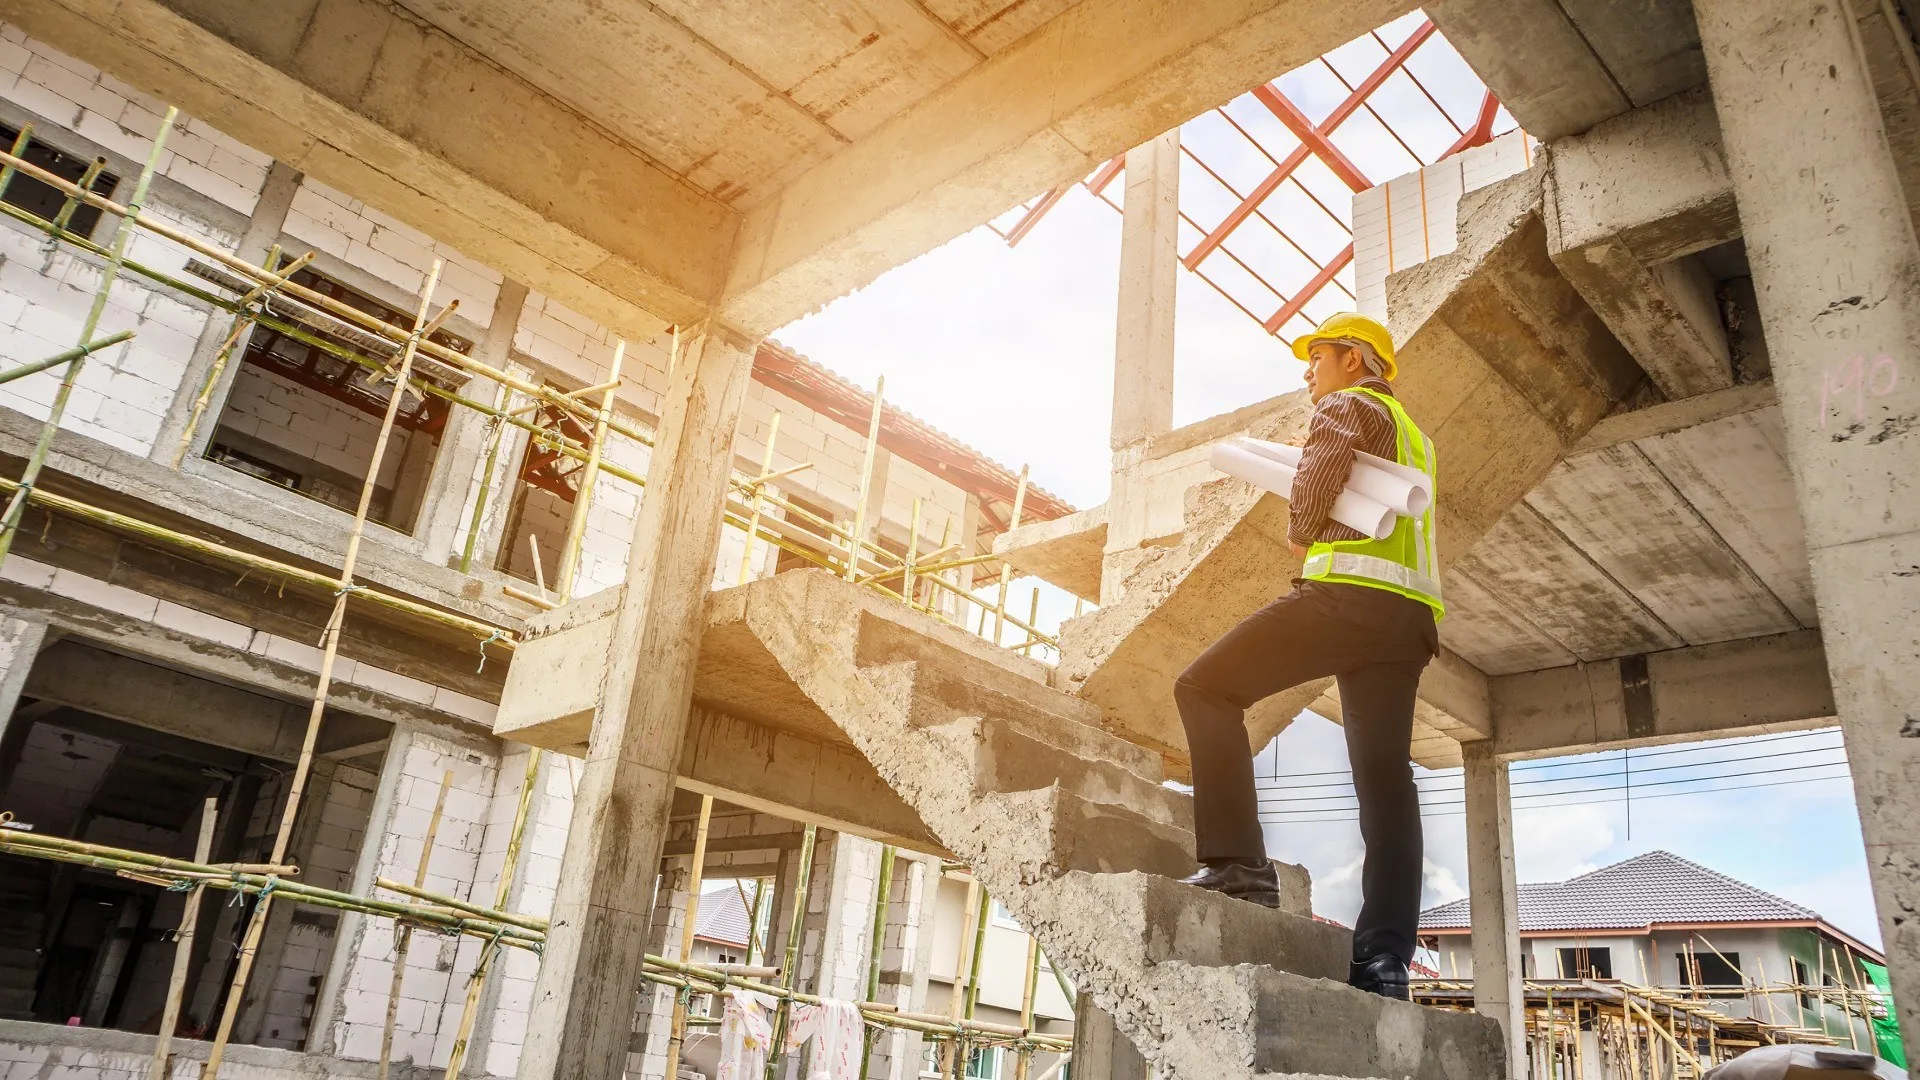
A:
(1495, 899)
(584, 998)
(262, 232)
(1100, 1050)
(1837, 271)
(21, 639)
(463, 441)
(1143, 340)
(1149, 259)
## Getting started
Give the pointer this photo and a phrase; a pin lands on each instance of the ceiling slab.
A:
(1734, 472)
(1624, 516)
(1495, 638)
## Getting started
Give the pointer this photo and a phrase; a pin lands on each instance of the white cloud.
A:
(1552, 844)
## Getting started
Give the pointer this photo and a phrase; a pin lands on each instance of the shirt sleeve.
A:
(1342, 424)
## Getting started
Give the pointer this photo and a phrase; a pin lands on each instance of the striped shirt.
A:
(1342, 423)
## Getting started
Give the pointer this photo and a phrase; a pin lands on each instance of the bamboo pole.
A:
(403, 932)
(789, 971)
(329, 653)
(86, 182)
(1024, 1064)
(877, 945)
(1820, 986)
(753, 522)
(126, 523)
(525, 922)
(476, 981)
(183, 944)
(496, 432)
(583, 495)
(866, 479)
(973, 975)
(956, 1000)
(539, 570)
(761, 887)
(64, 356)
(1006, 569)
(1846, 996)
(679, 1029)
(19, 147)
(122, 236)
(1033, 619)
(913, 553)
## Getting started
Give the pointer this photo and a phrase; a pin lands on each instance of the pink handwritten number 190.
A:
(1878, 381)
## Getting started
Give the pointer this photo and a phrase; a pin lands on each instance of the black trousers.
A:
(1375, 643)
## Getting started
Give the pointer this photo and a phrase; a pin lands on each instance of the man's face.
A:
(1330, 367)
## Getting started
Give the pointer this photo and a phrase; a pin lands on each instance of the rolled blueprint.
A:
(1405, 489)
(1350, 508)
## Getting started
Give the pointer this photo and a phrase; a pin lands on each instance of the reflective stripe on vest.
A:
(1407, 560)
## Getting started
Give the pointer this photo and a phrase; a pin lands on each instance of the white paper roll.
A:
(1350, 508)
(1404, 489)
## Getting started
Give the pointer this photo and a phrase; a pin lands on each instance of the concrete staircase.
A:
(1074, 831)
(1502, 363)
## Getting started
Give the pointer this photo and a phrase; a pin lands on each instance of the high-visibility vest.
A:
(1406, 562)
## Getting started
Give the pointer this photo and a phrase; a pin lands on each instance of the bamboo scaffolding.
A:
(122, 236)
(242, 325)
(859, 534)
(1024, 1064)
(583, 495)
(1006, 569)
(975, 903)
(329, 653)
(403, 933)
(876, 945)
(183, 945)
(753, 521)
(64, 356)
(789, 970)
(678, 1033)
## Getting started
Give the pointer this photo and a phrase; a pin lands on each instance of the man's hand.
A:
(1299, 550)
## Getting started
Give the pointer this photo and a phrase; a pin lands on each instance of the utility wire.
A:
(1584, 791)
(1549, 806)
(1283, 794)
(1536, 766)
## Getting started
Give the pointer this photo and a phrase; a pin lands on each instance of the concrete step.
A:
(1179, 923)
(1056, 832)
(19, 958)
(1306, 1026)
(1007, 757)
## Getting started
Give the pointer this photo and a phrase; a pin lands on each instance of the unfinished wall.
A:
(1413, 218)
(335, 223)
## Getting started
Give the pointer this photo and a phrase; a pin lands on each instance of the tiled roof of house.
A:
(724, 915)
(1658, 887)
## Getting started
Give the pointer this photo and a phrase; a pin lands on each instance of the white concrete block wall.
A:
(57, 774)
(537, 876)
(434, 985)
(1413, 218)
(399, 255)
(308, 425)
(611, 516)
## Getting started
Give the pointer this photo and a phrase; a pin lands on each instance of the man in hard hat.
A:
(1361, 611)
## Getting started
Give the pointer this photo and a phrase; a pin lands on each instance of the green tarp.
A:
(1886, 1031)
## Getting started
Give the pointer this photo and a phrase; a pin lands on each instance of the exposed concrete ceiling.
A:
(1562, 66)
(1646, 539)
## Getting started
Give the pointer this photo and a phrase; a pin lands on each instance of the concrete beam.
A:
(367, 99)
(796, 777)
(1672, 416)
(1628, 258)
(1533, 57)
(1083, 87)
(1733, 688)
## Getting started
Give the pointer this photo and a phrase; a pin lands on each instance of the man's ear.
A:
(1352, 361)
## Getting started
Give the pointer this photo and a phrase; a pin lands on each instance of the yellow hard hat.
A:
(1355, 326)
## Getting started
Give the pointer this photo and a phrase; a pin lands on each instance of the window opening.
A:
(1586, 962)
(301, 417)
(543, 498)
(41, 199)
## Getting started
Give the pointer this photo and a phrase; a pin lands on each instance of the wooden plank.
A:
(1530, 566)
(1734, 473)
(1624, 516)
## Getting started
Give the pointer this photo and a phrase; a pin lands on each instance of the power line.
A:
(1583, 791)
(1282, 794)
(1537, 766)
(1549, 806)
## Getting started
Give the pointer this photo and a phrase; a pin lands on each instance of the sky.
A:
(1010, 350)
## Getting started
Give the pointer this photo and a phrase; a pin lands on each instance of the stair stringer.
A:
(1193, 1021)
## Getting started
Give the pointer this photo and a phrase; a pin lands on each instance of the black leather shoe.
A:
(1254, 884)
(1385, 975)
